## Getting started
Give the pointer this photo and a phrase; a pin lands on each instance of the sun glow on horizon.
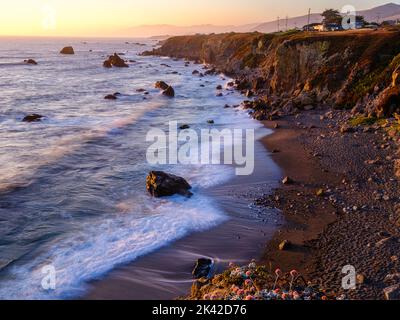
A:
(107, 18)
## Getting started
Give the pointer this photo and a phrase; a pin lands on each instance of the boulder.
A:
(30, 61)
(202, 268)
(304, 100)
(387, 102)
(195, 72)
(161, 184)
(33, 118)
(169, 92)
(67, 50)
(219, 87)
(161, 85)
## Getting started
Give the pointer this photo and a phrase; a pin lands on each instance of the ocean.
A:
(72, 187)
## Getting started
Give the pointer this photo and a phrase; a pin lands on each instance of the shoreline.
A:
(166, 272)
(297, 164)
(310, 148)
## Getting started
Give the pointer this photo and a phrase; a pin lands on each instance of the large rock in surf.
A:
(167, 89)
(33, 118)
(67, 50)
(161, 184)
(115, 61)
(202, 268)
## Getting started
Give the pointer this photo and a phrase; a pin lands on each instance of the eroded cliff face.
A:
(356, 69)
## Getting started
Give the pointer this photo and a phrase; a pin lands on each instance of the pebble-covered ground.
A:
(357, 157)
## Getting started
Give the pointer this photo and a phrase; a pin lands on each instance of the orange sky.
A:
(106, 17)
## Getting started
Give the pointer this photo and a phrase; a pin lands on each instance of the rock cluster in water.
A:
(115, 61)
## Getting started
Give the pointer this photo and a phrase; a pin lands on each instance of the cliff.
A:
(354, 69)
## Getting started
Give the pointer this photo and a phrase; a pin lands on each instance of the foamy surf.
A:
(106, 243)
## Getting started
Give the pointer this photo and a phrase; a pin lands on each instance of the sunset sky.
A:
(106, 17)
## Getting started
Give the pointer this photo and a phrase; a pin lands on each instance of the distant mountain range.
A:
(390, 11)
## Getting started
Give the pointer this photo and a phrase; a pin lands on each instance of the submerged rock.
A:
(161, 184)
(67, 50)
(202, 268)
(33, 118)
(110, 97)
(30, 61)
(184, 126)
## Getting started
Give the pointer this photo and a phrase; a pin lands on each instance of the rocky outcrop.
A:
(161, 184)
(299, 71)
(67, 50)
(115, 61)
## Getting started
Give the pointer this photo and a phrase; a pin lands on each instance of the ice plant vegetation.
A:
(256, 282)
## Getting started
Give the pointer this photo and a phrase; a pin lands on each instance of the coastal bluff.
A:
(293, 70)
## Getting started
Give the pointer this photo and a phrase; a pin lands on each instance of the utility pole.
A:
(308, 19)
(278, 24)
(287, 18)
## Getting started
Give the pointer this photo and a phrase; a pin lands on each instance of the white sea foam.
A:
(107, 242)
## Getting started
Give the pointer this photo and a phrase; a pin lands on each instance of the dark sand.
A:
(166, 273)
(354, 221)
